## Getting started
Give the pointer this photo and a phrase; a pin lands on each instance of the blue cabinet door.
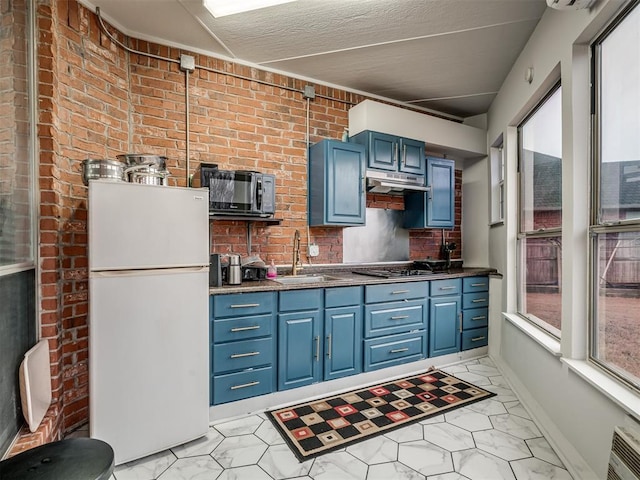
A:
(343, 342)
(382, 149)
(336, 184)
(299, 349)
(441, 178)
(412, 159)
(444, 325)
(435, 208)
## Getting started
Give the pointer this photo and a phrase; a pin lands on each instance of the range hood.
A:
(379, 181)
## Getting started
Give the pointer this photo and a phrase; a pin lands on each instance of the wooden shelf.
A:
(241, 218)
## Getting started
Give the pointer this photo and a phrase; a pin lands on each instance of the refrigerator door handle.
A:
(147, 271)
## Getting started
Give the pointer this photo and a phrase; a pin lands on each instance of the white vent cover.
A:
(624, 462)
(570, 4)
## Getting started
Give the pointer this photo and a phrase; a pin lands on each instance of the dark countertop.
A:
(343, 277)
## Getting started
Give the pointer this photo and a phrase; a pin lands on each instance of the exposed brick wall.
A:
(98, 101)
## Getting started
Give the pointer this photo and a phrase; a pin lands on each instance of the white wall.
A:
(577, 417)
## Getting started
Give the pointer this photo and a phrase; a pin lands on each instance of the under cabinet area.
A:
(263, 342)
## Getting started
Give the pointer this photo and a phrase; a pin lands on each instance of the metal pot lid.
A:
(143, 159)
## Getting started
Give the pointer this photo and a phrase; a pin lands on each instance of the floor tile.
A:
(409, 433)
(478, 465)
(240, 426)
(239, 451)
(448, 436)
(486, 370)
(516, 408)
(515, 425)
(268, 434)
(252, 472)
(200, 446)
(468, 419)
(501, 445)
(378, 449)
(425, 458)
(279, 462)
(193, 468)
(536, 469)
(338, 466)
(542, 450)
(393, 471)
(488, 407)
(147, 468)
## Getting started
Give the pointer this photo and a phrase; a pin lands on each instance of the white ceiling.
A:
(450, 56)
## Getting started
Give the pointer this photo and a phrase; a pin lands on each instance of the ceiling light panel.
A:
(220, 8)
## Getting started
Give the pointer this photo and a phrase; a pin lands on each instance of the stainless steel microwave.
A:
(237, 192)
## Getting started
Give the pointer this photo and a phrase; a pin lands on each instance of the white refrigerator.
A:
(148, 316)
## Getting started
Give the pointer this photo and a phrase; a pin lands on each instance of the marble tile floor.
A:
(494, 439)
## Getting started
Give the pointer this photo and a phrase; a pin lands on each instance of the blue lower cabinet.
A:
(478, 337)
(393, 350)
(343, 342)
(238, 385)
(243, 349)
(475, 312)
(299, 349)
(444, 325)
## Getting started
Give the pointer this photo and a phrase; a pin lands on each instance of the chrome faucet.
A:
(295, 264)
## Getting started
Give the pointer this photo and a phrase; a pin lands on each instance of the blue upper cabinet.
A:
(435, 208)
(336, 184)
(392, 153)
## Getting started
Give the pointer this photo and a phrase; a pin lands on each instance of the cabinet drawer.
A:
(243, 328)
(394, 350)
(395, 291)
(242, 304)
(394, 317)
(241, 355)
(450, 286)
(298, 300)
(475, 300)
(478, 337)
(475, 284)
(342, 296)
(236, 386)
(474, 318)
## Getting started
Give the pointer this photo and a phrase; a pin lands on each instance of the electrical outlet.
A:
(314, 250)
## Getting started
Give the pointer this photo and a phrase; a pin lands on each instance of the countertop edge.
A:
(345, 278)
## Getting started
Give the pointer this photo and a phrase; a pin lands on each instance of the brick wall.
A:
(98, 101)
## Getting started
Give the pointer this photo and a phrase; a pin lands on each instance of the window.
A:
(540, 209)
(16, 171)
(497, 182)
(615, 224)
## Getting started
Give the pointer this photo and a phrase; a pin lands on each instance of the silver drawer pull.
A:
(448, 288)
(398, 350)
(245, 385)
(477, 339)
(245, 305)
(481, 317)
(242, 355)
(479, 300)
(399, 317)
(244, 329)
(398, 292)
(478, 284)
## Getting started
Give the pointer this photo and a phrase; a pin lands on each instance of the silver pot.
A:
(93, 168)
(132, 159)
(147, 175)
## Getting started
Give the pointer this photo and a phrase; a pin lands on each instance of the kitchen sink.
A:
(301, 279)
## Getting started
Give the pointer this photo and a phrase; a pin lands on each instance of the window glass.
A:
(15, 155)
(541, 167)
(497, 183)
(615, 229)
(620, 121)
(540, 236)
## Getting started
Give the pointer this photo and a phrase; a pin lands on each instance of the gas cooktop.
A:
(393, 273)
